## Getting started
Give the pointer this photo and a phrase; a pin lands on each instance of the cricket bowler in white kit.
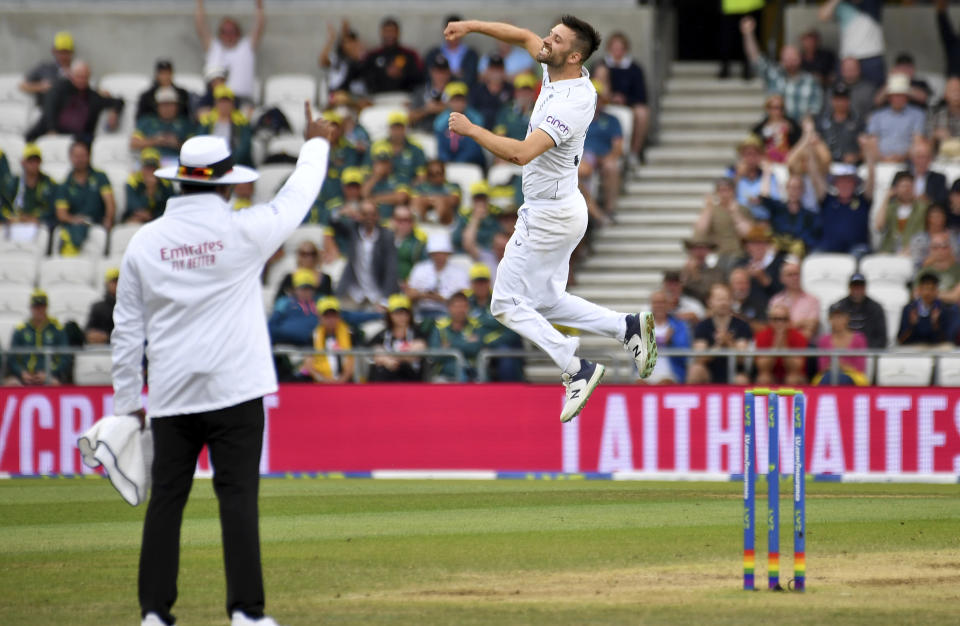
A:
(529, 295)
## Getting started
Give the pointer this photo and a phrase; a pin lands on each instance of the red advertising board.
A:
(517, 428)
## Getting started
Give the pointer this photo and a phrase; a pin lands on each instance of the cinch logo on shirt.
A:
(553, 121)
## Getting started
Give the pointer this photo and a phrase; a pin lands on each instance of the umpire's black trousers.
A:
(234, 436)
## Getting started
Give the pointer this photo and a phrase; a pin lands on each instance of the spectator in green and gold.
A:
(409, 162)
(166, 130)
(477, 218)
(513, 119)
(348, 205)
(224, 120)
(493, 334)
(343, 154)
(457, 331)
(411, 242)
(5, 173)
(39, 331)
(29, 198)
(147, 195)
(436, 195)
(85, 198)
(383, 187)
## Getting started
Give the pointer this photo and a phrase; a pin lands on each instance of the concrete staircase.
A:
(701, 121)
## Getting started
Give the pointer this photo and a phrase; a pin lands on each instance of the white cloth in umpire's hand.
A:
(124, 450)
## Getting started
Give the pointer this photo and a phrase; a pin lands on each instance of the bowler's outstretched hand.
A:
(460, 124)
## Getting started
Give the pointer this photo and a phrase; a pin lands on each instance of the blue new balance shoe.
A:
(641, 342)
(579, 387)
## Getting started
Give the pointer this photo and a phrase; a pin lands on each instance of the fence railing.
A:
(620, 364)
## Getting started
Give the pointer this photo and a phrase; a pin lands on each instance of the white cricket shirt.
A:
(190, 286)
(564, 110)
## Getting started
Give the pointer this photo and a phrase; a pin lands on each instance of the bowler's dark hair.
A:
(587, 37)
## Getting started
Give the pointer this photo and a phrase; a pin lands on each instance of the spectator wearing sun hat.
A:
(28, 198)
(845, 209)
(100, 319)
(451, 147)
(38, 331)
(146, 194)
(42, 77)
(897, 125)
(224, 120)
(513, 119)
(409, 162)
(433, 281)
(332, 333)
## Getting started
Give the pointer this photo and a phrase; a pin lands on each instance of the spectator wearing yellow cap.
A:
(411, 242)
(384, 187)
(458, 331)
(295, 316)
(306, 256)
(100, 318)
(436, 199)
(28, 198)
(493, 334)
(166, 130)
(409, 162)
(400, 336)
(602, 152)
(512, 119)
(146, 194)
(224, 120)
(451, 147)
(42, 77)
(476, 223)
(343, 154)
(38, 331)
(332, 333)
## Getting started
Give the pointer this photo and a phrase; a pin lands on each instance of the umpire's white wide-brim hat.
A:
(206, 160)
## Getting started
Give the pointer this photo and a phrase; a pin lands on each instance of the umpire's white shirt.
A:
(564, 110)
(190, 287)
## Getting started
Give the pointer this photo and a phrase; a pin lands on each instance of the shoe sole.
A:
(650, 339)
(591, 385)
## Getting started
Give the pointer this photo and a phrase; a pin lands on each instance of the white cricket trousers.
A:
(529, 295)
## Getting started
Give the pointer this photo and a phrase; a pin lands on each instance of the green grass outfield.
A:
(493, 552)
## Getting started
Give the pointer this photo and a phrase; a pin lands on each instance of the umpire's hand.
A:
(316, 127)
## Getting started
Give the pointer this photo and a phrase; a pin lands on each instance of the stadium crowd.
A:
(399, 252)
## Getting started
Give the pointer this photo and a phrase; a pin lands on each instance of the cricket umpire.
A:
(189, 297)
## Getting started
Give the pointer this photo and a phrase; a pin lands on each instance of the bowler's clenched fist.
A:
(460, 124)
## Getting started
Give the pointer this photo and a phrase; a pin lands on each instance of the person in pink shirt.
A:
(852, 368)
(804, 308)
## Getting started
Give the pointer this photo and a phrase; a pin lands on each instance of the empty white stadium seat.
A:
(55, 148)
(948, 371)
(191, 82)
(92, 368)
(374, 119)
(395, 99)
(118, 175)
(463, 261)
(624, 115)
(271, 179)
(35, 248)
(827, 294)
(93, 247)
(128, 87)
(464, 174)
(293, 111)
(11, 144)
(14, 117)
(15, 300)
(10, 89)
(307, 232)
(112, 151)
(57, 170)
(503, 173)
(56, 271)
(8, 323)
(277, 271)
(426, 141)
(904, 371)
(289, 88)
(101, 267)
(72, 302)
(18, 269)
(120, 236)
(834, 269)
(891, 269)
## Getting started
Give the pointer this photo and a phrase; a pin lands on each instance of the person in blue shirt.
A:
(295, 317)
(451, 147)
(845, 210)
(602, 151)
